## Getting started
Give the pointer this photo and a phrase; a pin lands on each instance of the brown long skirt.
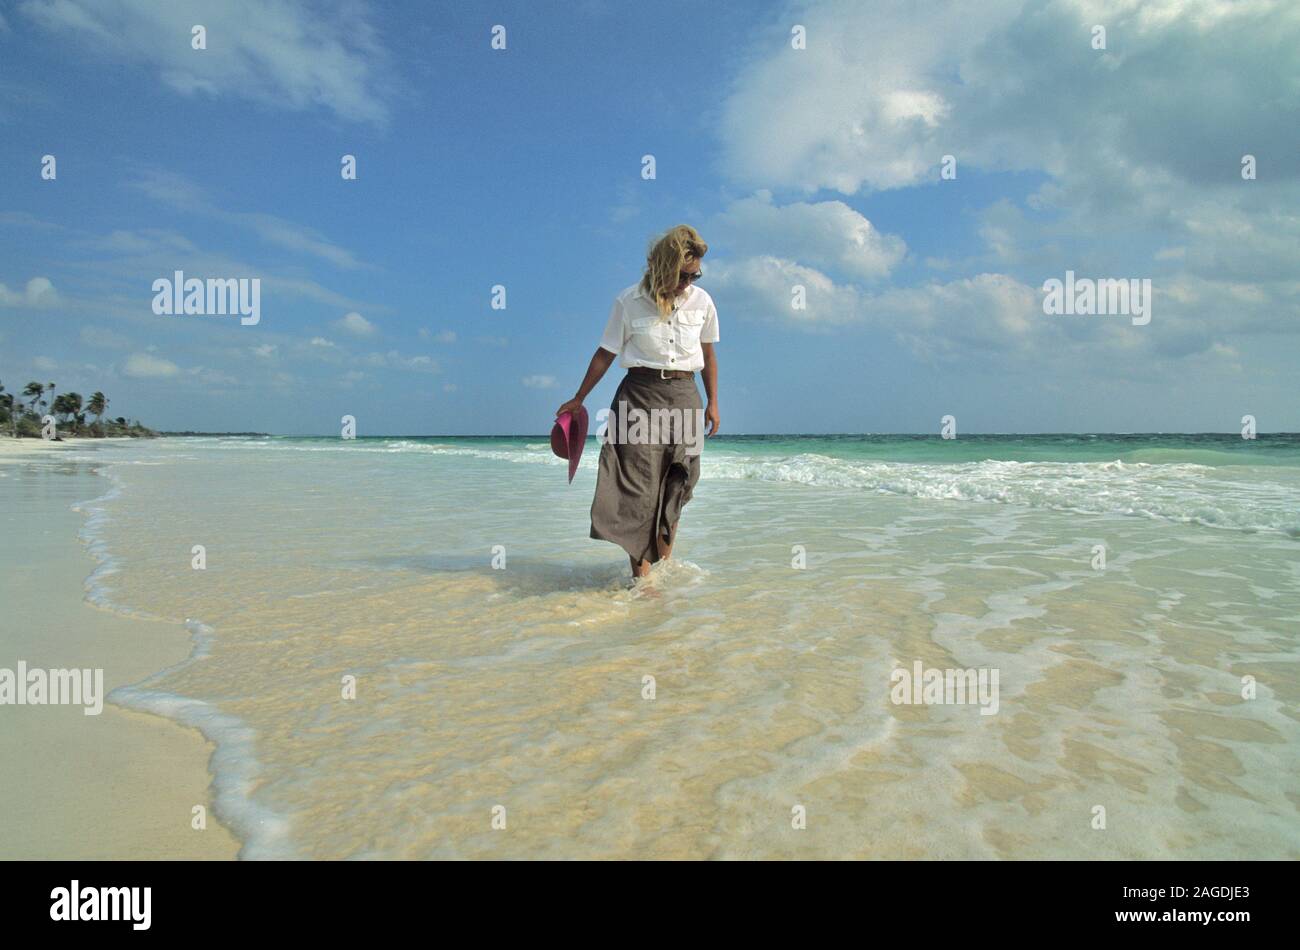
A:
(646, 474)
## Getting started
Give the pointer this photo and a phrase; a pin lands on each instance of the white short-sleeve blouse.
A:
(644, 338)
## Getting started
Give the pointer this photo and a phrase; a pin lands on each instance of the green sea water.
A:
(1151, 448)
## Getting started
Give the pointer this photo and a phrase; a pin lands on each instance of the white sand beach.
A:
(21, 449)
(118, 785)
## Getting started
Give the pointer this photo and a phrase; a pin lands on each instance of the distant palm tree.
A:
(9, 405)
(33, 391)
(66, 408)
(98, 403)
(76, 411)
(59, 407)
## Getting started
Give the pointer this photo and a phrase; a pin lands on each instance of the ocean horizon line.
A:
(726, 435)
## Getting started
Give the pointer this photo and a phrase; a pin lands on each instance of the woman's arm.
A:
(600, 362)
(710, 375)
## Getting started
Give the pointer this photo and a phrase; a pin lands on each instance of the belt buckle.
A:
(661, 374)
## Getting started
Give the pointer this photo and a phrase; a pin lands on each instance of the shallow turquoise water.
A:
(807, 571)
(1215, 479)
(1205, 448)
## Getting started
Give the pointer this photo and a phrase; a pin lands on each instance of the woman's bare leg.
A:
(666, 547)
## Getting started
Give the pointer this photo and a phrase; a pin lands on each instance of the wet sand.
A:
(114, 786)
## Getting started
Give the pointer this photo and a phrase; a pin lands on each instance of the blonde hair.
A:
(668, 253)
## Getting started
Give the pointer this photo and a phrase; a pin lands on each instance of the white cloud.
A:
(213, 377)
(1139, 146)
(1000, 320)
(45, 364)
(866, 104)
(987, 312)
(39, 292)
(445, 336)
(30, 221)
(539, 382)
(766, 286)
(885, 89)
(423, 363)
(1127, 136)
(144, 366)
(321, 341)
(828, 235)
(285, 55)
(144, 241)
(146, 253)
(179, 192)
(295, 237)
(355, 324)
(104, 339)
(395, 360)
(264, 351)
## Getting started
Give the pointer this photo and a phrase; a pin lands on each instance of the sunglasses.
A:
(688, 276)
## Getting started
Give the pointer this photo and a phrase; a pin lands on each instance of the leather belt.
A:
(661, 373)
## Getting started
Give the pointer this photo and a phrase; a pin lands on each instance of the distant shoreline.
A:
(746, 435)
(149, 434)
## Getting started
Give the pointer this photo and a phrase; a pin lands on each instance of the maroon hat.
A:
(569, 437)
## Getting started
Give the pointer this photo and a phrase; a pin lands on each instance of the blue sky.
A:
(814, 167)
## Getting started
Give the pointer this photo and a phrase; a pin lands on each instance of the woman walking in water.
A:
(664, 327)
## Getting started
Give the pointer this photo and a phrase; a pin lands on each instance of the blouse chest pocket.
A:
(690, 323)
(649, 332)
